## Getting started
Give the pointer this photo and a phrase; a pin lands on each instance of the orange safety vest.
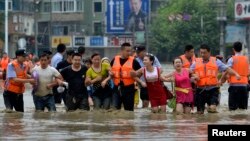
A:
(207, 72)
(4, 63)
(240, 65)
(122, 73)
(186, 63)
(13, 86)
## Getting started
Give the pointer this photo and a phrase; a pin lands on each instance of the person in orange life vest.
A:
(15, 80)
(188, 57)
(121, 67)
(206, 68)
(3, 64)
(238, 93)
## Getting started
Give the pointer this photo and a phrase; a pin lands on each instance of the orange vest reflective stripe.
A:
(207, 72)
(240, 65)
(186, 63)
(122, 73)
(13, 86)
(4, 63)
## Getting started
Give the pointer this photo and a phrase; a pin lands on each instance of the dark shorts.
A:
(125, 95)
(238, 97)
(144, 93)
(211, 97)
(13, 100)
(47, 101)
(74, 103)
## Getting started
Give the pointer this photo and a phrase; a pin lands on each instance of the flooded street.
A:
(115, 125)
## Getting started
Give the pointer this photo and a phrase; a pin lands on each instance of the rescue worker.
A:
(121, 67)
(238, 93)
(206, 68)
(188, 57)
(15, 80)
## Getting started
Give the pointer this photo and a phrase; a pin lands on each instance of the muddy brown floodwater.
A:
(115, 125)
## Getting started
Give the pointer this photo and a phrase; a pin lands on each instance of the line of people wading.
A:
(99, 83)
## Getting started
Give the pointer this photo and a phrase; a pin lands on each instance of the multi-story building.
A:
(21, 23)
(76, 23)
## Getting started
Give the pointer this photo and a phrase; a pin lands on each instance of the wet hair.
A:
(205, 46)
(237, 46)
(81, 50)
(47, 52)
(70, 52)
(35, 59)
(125, 45)
(88, 60)
(61, 48)
(188, 48)
(140, 48)
(95, 54)
(151, 57)
(177, 58)
(44, 55)
(76, 54)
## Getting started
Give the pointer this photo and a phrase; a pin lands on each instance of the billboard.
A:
(242, 10)
(235, 33)
(126, 16)
(96, 41)
(78, 41)
(61, 39)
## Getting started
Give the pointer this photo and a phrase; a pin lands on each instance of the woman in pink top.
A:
(183, 88)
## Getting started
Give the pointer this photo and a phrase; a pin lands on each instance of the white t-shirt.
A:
(46, 76)
(152, 76)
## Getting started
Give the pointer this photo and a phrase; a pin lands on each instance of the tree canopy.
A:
(182, 22)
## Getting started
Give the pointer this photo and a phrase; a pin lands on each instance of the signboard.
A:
(96, 41)
(78, 41)
(117, 41)
(126, 16)
(140, 37)
(235, 33)
(242, 10)
(67, 40)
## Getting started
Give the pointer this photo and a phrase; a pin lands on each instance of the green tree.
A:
(169, 37)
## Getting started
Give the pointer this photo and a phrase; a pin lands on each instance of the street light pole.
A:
(35, 22)
(6, 27)
(222, 19)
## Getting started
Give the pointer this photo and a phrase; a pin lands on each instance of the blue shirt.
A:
(11, 73)
(58, 57)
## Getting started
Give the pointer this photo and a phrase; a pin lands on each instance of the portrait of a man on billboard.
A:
(137, 17)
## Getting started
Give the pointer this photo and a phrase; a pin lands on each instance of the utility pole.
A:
(6, 27)
(222, 19)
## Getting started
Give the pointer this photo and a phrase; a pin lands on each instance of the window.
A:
(97, 6)
(79, 5)
(60, 30)
(67, 5)
(10, 5)
(57, 6)
(46, 7)
(98, 28)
